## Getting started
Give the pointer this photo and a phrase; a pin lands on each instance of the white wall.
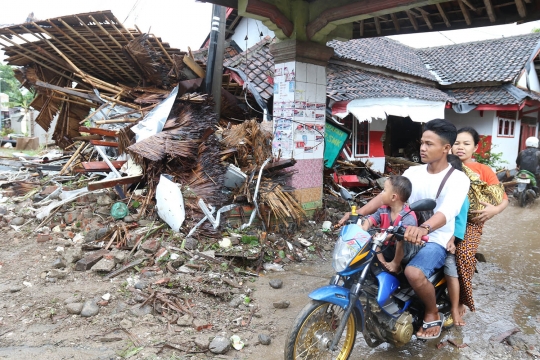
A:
(45, 138)
(378, 125)
(509, 147)
(482, 124)
(252, 28)
(533, 80)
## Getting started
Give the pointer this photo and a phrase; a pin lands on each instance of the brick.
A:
(163, 281)
(150, 246)
(72, 216)
(41, 238)
(90, 260)
(48, 190)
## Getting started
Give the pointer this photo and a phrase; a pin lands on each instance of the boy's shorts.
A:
(450, 267)
(429, 258)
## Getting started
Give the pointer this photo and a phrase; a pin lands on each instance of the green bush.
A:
(488, 157)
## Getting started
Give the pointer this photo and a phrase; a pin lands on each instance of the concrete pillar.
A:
(299, 114)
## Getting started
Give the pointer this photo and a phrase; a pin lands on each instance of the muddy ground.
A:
(34, 322)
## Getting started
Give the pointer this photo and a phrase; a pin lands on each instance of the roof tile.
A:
(383, 52)
(486, 60)
(346, 83)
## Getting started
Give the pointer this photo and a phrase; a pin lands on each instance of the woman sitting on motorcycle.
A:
(464, 147)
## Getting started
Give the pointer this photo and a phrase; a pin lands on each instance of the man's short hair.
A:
(445, 129)
(402, 186)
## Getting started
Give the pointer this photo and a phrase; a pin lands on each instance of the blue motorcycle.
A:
(361, 297)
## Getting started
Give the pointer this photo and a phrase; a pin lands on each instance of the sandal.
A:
(428, 325)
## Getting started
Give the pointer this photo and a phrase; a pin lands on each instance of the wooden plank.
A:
(466, 2)
(104, 184)
(490, 10)
(101, 165)
(86, 138)
(91, 97)
(104, 143)
(117, 121)
(522, 10)
(190, 63)
(396, 22)
(465, 12)
(412, 20)
(98, 131)
(425, 15)
(377, 25)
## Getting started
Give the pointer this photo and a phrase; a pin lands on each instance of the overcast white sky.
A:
(184, 23)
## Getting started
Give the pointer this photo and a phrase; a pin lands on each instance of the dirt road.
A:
(34, 322)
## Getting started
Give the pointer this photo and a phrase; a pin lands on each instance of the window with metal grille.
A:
(362, 138)
(358, 145)
(506, 127)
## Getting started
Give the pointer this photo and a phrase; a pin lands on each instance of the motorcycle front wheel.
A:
(523, 198)
(313, 331)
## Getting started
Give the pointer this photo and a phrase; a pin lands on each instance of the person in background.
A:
(450, 267)
(529, 158)
(464, 147)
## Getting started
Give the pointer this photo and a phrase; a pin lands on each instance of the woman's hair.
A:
(454, 161)
(472, 132)
(402, 186)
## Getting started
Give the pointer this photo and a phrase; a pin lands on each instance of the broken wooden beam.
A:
(98, 166)
(104, 184)
(104, 143)
(86, 138)
(116, 121)
(196, 68)
(98, 131)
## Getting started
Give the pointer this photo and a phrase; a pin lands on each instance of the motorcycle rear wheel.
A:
(313, 331)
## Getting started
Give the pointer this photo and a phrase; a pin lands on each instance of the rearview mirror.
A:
(423, 205)
(345, 194)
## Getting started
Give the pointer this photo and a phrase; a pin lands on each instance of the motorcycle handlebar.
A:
(399, 231)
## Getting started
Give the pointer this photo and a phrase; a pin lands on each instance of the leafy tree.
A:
(8, 83)
(23, 101)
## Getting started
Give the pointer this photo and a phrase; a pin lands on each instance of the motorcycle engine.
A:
(403, 329)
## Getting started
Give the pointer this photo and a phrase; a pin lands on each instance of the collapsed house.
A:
(132, 108)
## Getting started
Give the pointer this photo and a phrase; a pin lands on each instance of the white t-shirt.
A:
(426, 185)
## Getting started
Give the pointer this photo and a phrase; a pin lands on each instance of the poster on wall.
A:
(285, 110)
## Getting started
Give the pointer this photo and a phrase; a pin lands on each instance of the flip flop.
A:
(428, 325)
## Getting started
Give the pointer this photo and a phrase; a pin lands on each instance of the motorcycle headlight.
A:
(344, 252)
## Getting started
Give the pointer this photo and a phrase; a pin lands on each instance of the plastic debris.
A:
(236, 342)
(119, 210)
(170, 202)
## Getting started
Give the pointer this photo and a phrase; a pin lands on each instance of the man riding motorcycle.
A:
(529, 159)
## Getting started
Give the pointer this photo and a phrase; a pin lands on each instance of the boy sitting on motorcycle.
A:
(397, 190)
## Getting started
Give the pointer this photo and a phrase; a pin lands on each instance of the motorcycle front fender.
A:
(339, 296)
